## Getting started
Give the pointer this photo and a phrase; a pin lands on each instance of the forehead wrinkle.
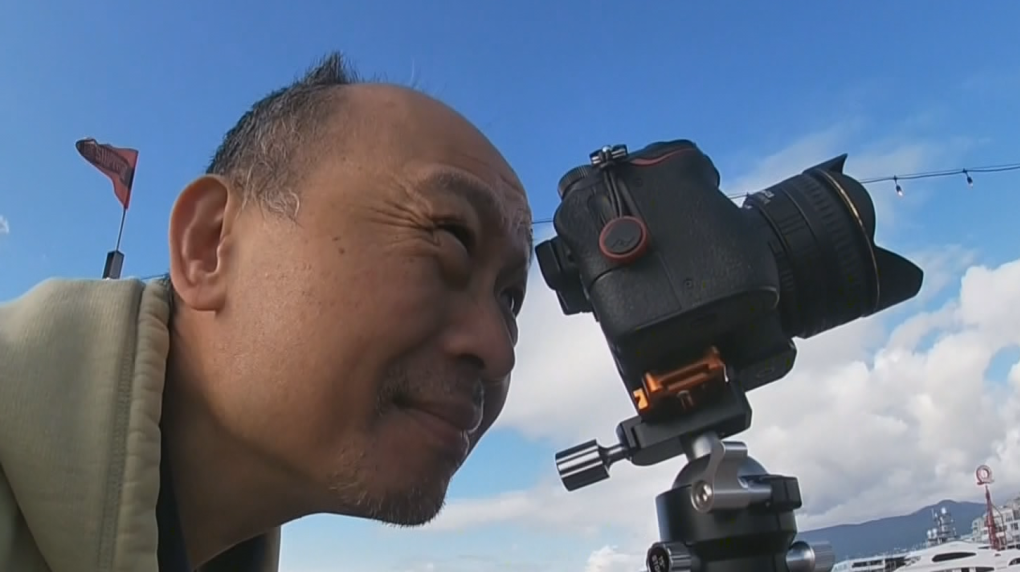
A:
(522, 224)
(483, 197)
(521, 219)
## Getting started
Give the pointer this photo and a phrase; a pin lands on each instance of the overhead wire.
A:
(966, 172)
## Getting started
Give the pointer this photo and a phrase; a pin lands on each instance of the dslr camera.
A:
(699, 300)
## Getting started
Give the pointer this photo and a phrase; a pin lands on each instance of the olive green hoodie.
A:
(82, 367)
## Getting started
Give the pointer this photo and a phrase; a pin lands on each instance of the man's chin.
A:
(410, 492)
(417, 520)
(402, 506)
(408, 511)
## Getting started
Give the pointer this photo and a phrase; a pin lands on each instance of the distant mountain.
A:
(892, 533)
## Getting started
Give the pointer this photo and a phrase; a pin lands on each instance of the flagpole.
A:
(120, 231)
(115, 258)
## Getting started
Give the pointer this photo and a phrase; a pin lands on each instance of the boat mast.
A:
(984, 478)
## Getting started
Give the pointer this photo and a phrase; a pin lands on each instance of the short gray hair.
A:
(265, 153)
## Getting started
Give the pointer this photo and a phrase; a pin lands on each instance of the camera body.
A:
(679, 276)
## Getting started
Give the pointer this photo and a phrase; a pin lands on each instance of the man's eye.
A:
(462, 233)
(513, 298)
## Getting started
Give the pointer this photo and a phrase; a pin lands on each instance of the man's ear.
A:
(200, 240)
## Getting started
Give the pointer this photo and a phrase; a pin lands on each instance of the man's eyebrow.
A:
(464, 186)
(483, 198)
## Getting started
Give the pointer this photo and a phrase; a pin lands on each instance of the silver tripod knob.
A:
(814, 557)
(587, 463)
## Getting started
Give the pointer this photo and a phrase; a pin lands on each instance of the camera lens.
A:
(820, 226)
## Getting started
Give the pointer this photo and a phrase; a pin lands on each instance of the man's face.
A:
(372, 338)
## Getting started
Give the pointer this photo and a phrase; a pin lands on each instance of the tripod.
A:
(724, 512)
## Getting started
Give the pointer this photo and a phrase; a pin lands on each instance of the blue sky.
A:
(764, 88)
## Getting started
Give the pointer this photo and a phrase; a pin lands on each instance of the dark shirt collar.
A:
(173, 557)
(172, 554)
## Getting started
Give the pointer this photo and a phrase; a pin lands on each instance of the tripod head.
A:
(724, 512)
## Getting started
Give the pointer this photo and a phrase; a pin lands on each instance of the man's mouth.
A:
(461, 414)
(449, 423)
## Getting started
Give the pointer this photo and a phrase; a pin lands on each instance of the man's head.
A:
(348, 276)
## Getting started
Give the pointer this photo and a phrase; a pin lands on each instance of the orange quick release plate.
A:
(679, 382)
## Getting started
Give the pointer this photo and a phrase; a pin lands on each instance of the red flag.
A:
(114, 162)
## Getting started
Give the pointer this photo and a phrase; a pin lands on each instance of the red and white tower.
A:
(984, 478)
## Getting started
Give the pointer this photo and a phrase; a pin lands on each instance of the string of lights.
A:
(966, 172)
(936, 174)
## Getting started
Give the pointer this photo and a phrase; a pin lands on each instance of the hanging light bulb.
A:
(970, 181)
(899, 189)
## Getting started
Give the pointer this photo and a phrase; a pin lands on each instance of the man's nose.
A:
(480, 333)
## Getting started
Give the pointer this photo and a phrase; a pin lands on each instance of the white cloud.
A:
(5, 227)
(792, 159)
(942, 267)
(608, 559)
(873, 421)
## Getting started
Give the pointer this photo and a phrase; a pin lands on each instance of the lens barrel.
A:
(820, 226)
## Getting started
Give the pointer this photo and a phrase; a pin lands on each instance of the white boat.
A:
(878, 563)
(961, 556)
(955, 556)
(944, 551)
